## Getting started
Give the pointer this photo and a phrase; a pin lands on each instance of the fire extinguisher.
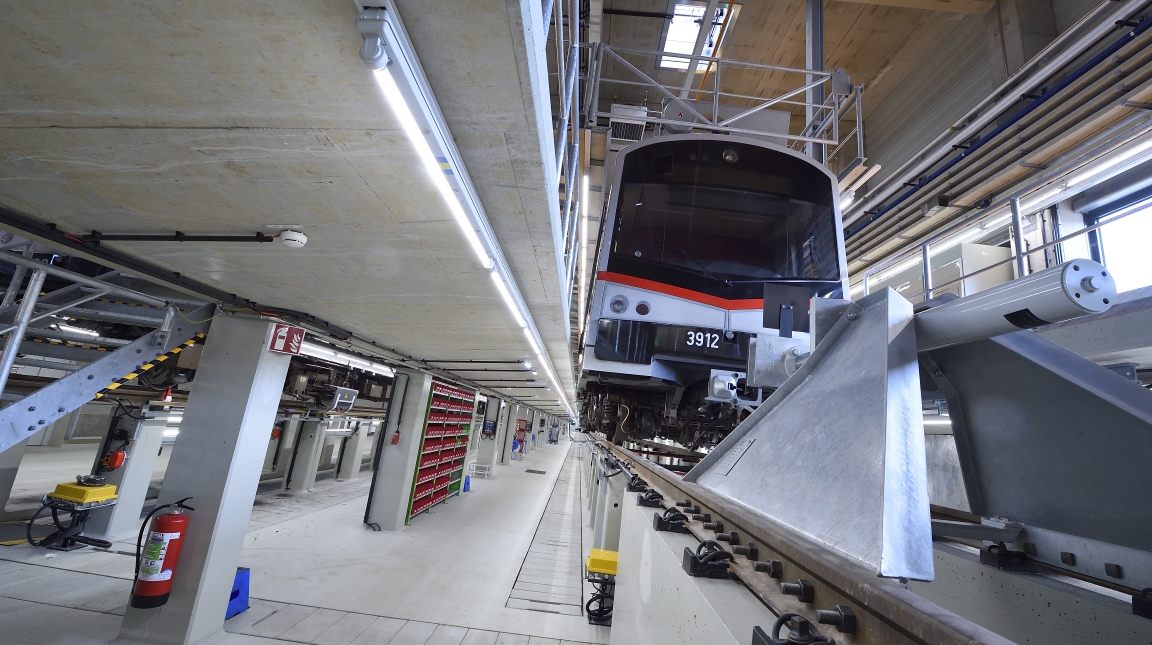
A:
(156, 560)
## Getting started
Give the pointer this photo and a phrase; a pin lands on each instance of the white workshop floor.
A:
(319, 576)
(44, 466)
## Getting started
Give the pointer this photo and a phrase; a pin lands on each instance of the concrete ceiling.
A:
(220, 117)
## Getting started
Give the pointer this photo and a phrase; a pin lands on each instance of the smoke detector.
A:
(293, 239)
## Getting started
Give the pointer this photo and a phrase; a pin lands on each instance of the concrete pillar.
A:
(352, 452)
(514, 412)
(9, 465)
(287, 446)
(66, 426)
(216, 461)
(305, 459)
(131, 480)
(1016, 31)
(488, 450)
(392, 488)
(376, 430)
(606, 534)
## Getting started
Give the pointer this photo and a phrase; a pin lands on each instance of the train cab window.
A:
(723, 218)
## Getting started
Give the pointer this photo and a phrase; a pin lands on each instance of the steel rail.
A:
(886, 611)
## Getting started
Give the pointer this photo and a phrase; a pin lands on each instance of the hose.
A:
(816, 637)
(627, 413)
(603, 598)
(28, 531)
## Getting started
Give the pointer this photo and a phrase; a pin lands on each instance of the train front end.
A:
(700, 233)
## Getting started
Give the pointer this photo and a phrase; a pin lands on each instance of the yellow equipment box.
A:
(601, 561)
(77, 494)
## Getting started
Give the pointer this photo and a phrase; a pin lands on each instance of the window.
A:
(680, 38)
(1125, 244)
(688, 217)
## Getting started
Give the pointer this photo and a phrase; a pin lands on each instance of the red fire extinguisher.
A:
(156, 560)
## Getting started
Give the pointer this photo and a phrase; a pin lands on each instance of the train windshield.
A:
(723, 218)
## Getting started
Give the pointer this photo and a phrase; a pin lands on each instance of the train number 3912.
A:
(703, 339)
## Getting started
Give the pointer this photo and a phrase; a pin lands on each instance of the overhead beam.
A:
(970, 7)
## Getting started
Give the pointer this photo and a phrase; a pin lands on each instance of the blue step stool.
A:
(238, 599)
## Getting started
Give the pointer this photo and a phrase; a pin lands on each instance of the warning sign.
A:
(286, 339)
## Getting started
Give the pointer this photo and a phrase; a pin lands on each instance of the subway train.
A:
(712, 247)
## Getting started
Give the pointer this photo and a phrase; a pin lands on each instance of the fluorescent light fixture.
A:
(170, 432)
(846, 199)
(938, 422)
(583, 259)
(334, 356)
(435, 171)
(388, 52)
(535, 347)
(507, 296)
(76, 330)
(1112, 161)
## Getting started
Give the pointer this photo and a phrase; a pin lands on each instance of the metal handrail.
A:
(1053, 57)
(822, 130)
(36, 265)
(1075, 164)
(1130, 210)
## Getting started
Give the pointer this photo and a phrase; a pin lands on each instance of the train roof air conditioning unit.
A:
(628, 121)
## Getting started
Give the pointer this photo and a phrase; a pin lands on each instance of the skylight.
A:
(685, 27)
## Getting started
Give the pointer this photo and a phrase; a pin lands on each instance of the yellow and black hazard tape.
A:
(149, 365)
(64, 343)
(125, 302)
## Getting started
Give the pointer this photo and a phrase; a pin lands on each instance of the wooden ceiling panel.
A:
(877, 42)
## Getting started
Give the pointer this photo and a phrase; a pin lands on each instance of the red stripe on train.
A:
(679, 292)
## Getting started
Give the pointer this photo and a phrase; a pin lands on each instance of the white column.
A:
(216, 461)
(352, 453)
(509, 433)
(9, 465)
(283, 457)
(488, 450)
(131, 480)
(392, 488)
(305, 459)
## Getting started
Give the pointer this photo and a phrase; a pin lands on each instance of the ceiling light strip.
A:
(388, 51)
(334, 356)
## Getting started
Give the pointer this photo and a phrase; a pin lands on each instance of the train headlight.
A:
(618, 305)
(730, 155)
(642, 308)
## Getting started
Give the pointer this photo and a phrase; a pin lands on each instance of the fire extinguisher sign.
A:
(286, 339)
